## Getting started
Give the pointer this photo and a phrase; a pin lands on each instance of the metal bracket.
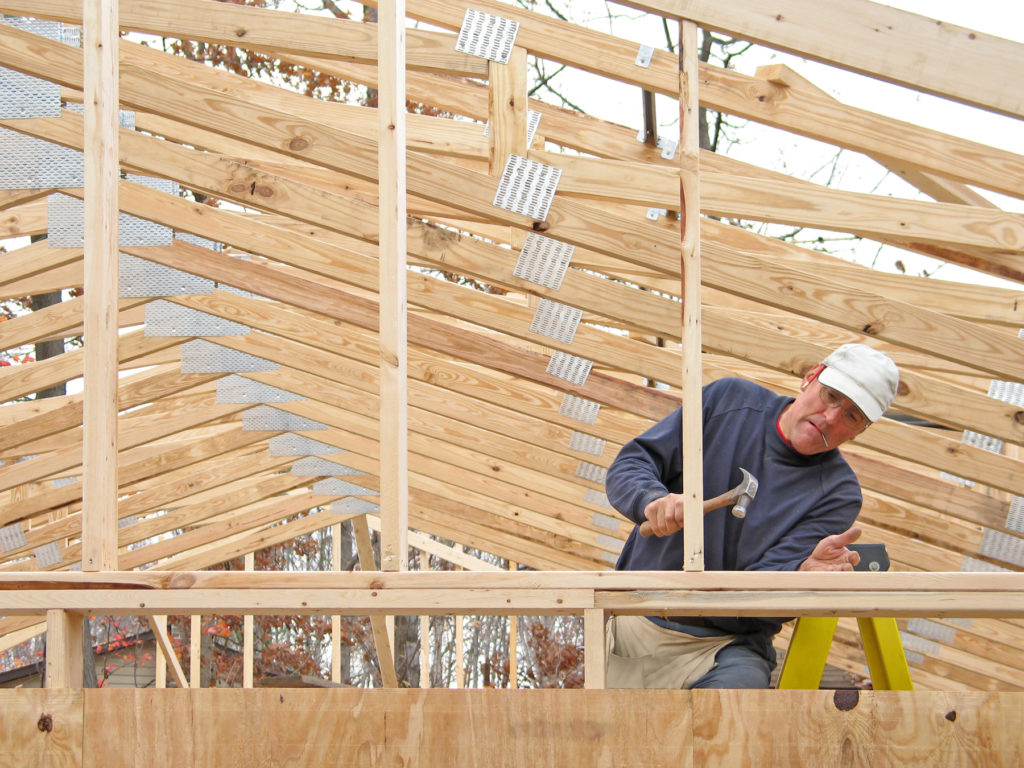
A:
(573, 369)
(579, 408)
(487, 36)
(556, 321)
(544, 260)
(527, 187)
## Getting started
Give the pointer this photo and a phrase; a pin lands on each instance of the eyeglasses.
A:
(851, 415)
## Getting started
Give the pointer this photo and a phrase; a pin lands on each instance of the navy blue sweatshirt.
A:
(800, 499)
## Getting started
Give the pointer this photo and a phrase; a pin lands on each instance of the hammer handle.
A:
(710, 505)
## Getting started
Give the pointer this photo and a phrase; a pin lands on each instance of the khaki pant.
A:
(641, 654)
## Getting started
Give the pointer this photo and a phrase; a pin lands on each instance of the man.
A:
(807, 500)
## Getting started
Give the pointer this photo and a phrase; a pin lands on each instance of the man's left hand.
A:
(831, 553)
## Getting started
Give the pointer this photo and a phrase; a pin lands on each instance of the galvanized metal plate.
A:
(571, 368)
(165, 318)
(314, 466)
(238, 389)
(300, 445)
(351, 505)
(556, 320)
(202, 356)
(140, 278)
(527, 187)
(584, 443)
(544, 260)
(579, 408)
(487, 36)
(266, 418)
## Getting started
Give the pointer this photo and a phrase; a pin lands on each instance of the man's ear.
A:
(811, 375)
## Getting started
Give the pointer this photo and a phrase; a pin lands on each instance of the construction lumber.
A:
(887, 43)
(102, 174)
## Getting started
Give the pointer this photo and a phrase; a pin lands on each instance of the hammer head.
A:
(745, 493)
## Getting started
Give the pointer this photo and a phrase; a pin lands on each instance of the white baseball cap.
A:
(865, 375)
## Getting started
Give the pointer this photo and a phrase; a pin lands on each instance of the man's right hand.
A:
(665, 514)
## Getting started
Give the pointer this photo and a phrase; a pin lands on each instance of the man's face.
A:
(820, 418)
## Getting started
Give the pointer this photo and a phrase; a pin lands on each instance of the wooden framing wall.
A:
(490, 462)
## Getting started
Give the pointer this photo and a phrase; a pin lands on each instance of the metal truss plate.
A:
(340, 486)
(556, 320)
(60, 482)
(332, 486)
(527, 187)
(300, 445)
(1001, 546)
(1008, 391)
(25, 96)
(48, 555)
(352, 506)
(30, 163)
(125, 117)
(165, 318)
(266, 418)
(608, 522)
(140, 278)
(238, 389)
(487, 36)
(974, 565)
(993, 444)
(579, 408)
(544, 260)
(314, 466)
(931, 629)
(1015, 516)
(573, 369)
(584, 443)
(202, 356)
(919, 644)
(202, 242)
(12, 537)
(598, 498)
(66, 224)
(591, 472)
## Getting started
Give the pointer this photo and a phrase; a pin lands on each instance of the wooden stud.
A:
(594, 667)
(64, 657)
(336, 620)
(689, 177)
(394, 500)
(195, 651)
(247, 634)
(99, 523)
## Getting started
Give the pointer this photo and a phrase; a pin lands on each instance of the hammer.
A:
(739, 497)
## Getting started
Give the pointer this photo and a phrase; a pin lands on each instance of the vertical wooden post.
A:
(593, 649)
(689, 178)
(513, 641)
(394, 392)
(64, 653)
(195, 665)
(336, 620)
(460, 648)
(424, 651)
(102, 172)
(247, 633)
(159, 624)
(506, 132)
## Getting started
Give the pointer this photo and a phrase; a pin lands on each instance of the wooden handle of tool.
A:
(709, 506)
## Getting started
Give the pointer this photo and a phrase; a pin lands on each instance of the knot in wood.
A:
(540, 226)
(873, 328)
(298, 144)
(846, 700)
(951, 715)
(45, 723)
(902, 389)
(1018, 417)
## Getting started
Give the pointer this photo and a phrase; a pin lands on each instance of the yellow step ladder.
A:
(812, 638)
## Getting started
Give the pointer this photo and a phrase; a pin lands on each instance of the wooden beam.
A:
(270, 31)
(64, 651)
(692, 430)
(166, 650)
(878, 41)
(392, 289)
(381, 636)
(102, 173)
